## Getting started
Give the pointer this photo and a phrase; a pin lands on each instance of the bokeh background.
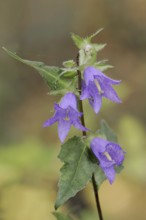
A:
(29, 168)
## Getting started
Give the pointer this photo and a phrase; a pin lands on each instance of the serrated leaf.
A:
(50, 74)
(77, 40)
(60, 216)
(108, 132)
(76, 171)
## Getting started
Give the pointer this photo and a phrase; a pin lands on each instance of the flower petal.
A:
(116, 153)
(69, 100)
(110, 173)
(95, 99)
(98, 145)
(96, 103)
(73, 114)
(85, 92)
(92, 71)
(50, 121)
(74, 119)
(60, 112)
(102, 77)
(110, 93)
(77, 124)
(89, 74)
(63, 129)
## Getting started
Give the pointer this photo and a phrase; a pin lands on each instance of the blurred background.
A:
(29, 168)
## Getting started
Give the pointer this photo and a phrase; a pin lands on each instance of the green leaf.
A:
(50, 74)
(60, 216)
(99, 176)
(118, 169)
(88, 51)
(69, 63)
(98, 47)
(69, 72)
(87, 58)
(77, 40)
(108, 132)
(82, 42)
(76, 171)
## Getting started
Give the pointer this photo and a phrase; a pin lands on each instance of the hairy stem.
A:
(85, 134)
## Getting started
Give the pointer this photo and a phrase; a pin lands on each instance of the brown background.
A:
(29, 168)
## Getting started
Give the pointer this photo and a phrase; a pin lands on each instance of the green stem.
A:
(85, 134)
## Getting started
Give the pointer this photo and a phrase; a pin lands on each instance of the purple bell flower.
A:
(109, 155)
(66, 114)
(95, 85)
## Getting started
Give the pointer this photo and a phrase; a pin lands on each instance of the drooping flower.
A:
(96, 85)
(109, 155)
(66, 114)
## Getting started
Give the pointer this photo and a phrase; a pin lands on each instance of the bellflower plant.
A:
(66, 114)
(91, 157)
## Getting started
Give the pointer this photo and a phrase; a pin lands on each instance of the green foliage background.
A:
(29, 167)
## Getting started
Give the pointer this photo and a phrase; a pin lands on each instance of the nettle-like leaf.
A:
(76, 171)
(60, 216)
(50, 74)
(106, 131)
